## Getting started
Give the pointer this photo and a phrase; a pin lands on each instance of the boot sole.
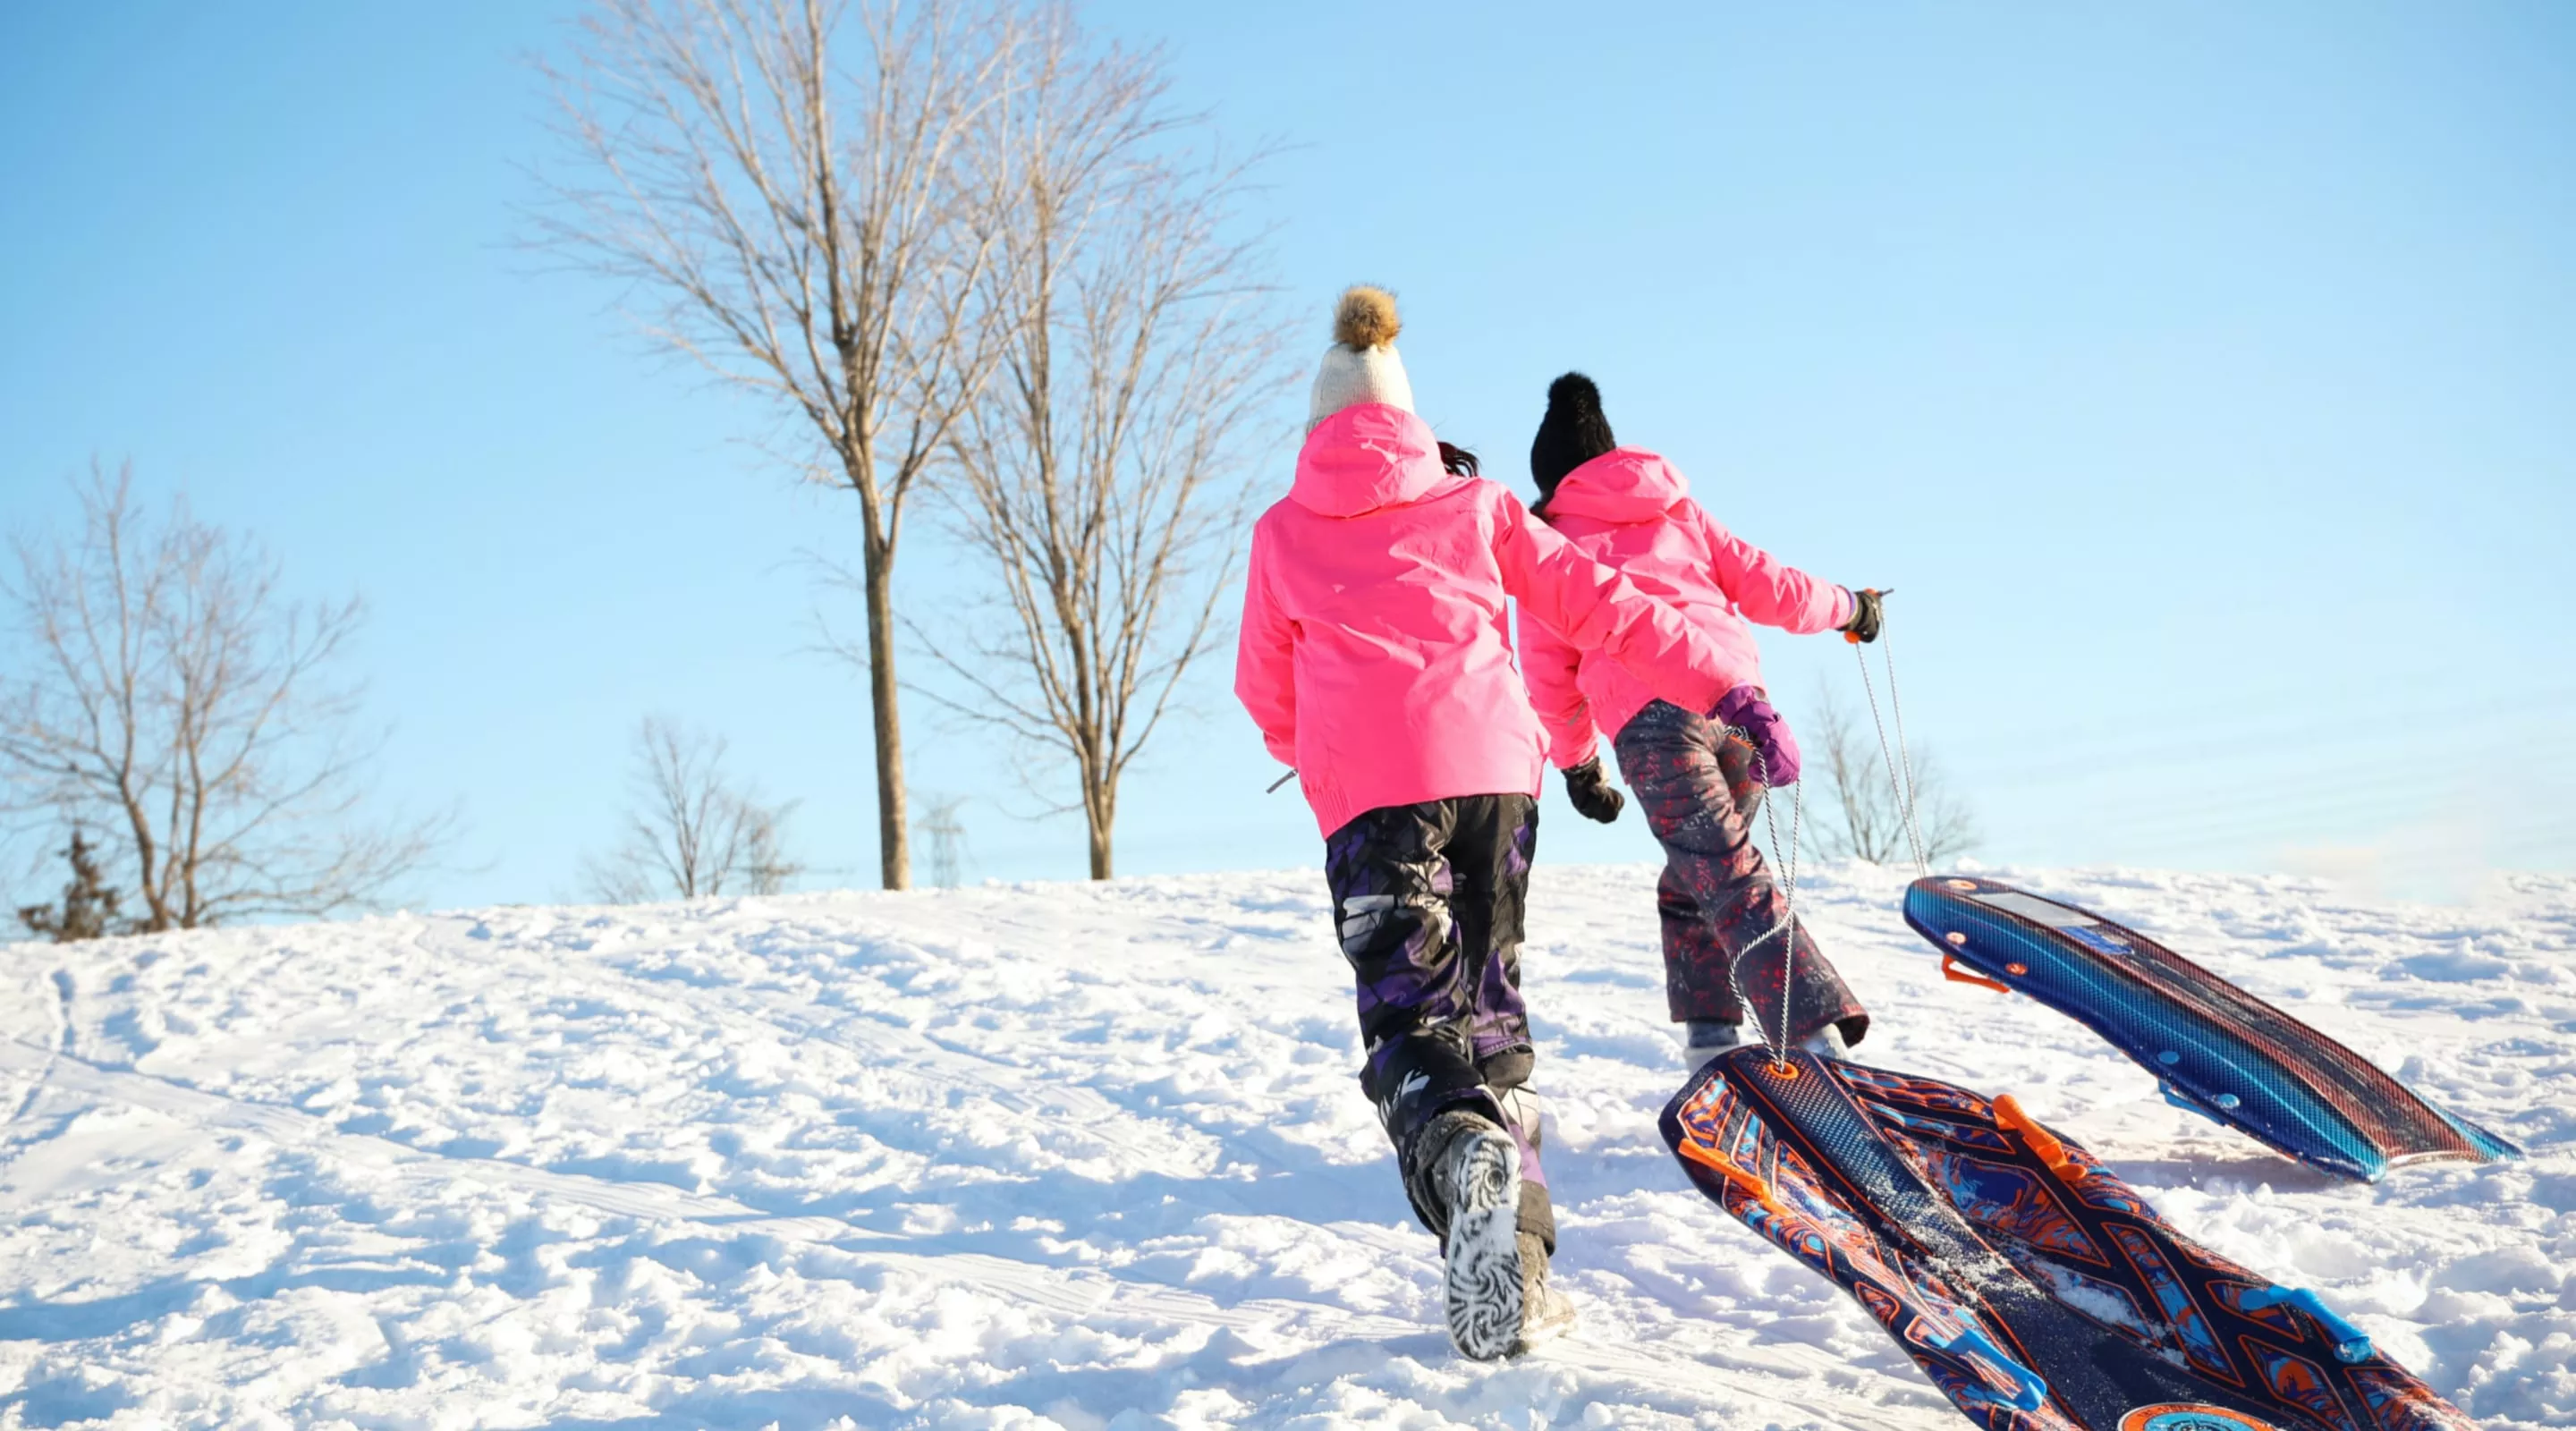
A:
(1482, 1280)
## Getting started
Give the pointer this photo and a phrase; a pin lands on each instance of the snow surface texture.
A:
(1087, 1156)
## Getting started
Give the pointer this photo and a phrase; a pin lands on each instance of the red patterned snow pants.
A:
(1696, 787)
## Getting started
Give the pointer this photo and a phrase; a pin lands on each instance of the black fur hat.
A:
(1573, 432)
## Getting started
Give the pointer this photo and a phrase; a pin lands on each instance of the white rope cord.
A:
(1902, 785)
(1904, 753)
(1900, 779)
(1788, 925)
(1735, 983)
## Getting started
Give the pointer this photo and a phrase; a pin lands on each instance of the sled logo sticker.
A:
(2094, 938)
(2032, 907)
(2183, 1416)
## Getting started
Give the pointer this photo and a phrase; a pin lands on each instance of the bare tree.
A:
(1096, 473)
(1868, 819)
(176, 699)
(693, 831)
(783, 180)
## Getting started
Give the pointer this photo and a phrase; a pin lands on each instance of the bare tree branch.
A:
(1868, 821)
(1096, 474)
(178, 701)
(790, 186)
(692, 832)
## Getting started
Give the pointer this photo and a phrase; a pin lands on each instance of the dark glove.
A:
(1866, 616)
(1594, 797)
(1747, 712)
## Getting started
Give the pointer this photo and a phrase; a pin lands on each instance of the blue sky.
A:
(2203, 377)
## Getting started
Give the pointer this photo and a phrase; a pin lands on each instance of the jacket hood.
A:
(1625, 484)
(1366, 457)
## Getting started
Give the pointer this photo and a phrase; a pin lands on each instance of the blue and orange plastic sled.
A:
(2216, 1049)
(2036, 1289)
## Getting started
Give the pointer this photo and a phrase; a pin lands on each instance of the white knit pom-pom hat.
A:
(1361, 366)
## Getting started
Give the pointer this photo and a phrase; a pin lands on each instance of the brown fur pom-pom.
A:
(1365, 318)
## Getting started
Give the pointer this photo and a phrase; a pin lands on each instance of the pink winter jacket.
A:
(1629, 509)
(1376, 653)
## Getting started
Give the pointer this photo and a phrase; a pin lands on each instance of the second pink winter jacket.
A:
(1630, 509)
(1376, 652)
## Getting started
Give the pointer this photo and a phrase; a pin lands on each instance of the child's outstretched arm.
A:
(1768, 589)
(1592, 607)
(1548, 668)
(1265, 662)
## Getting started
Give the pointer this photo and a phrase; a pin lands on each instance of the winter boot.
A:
(1707, 1038)
(1476, 1175)
(1545, 1311)
(1704, 1039)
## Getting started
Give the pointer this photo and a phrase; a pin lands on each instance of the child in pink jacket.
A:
(1376, 658)
(1700, 780)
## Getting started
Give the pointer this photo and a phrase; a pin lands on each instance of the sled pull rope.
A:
(1787, 928)
(1903, 784)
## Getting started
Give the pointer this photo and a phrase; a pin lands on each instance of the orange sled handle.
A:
(1736, 1173)
(2009, 1113)
(1951, 971)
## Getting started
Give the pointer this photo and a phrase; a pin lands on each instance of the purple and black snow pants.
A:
(1696, 787)
(1427, 899)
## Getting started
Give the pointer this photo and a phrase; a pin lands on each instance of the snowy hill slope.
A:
(1092, 1156)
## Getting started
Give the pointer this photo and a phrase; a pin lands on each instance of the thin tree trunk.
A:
(147, 857)
(801, 186)
(1097, 470)
(894, 843)
(1101, 813)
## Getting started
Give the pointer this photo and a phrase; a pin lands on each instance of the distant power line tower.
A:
(947, 836)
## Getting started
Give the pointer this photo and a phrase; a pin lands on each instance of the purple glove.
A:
(1744, 709)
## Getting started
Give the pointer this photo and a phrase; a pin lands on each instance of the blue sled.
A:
(2216, 1049)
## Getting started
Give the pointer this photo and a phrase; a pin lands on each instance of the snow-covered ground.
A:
(1092, 1156)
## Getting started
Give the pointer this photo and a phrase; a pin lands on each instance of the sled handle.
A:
(1734, 1172)
(2009, 1112)
(1951, 971)
(2351, 1342)
(2029, 1392)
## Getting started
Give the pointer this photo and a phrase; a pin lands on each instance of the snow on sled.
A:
(2037, 1290)
(2217, 1050)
